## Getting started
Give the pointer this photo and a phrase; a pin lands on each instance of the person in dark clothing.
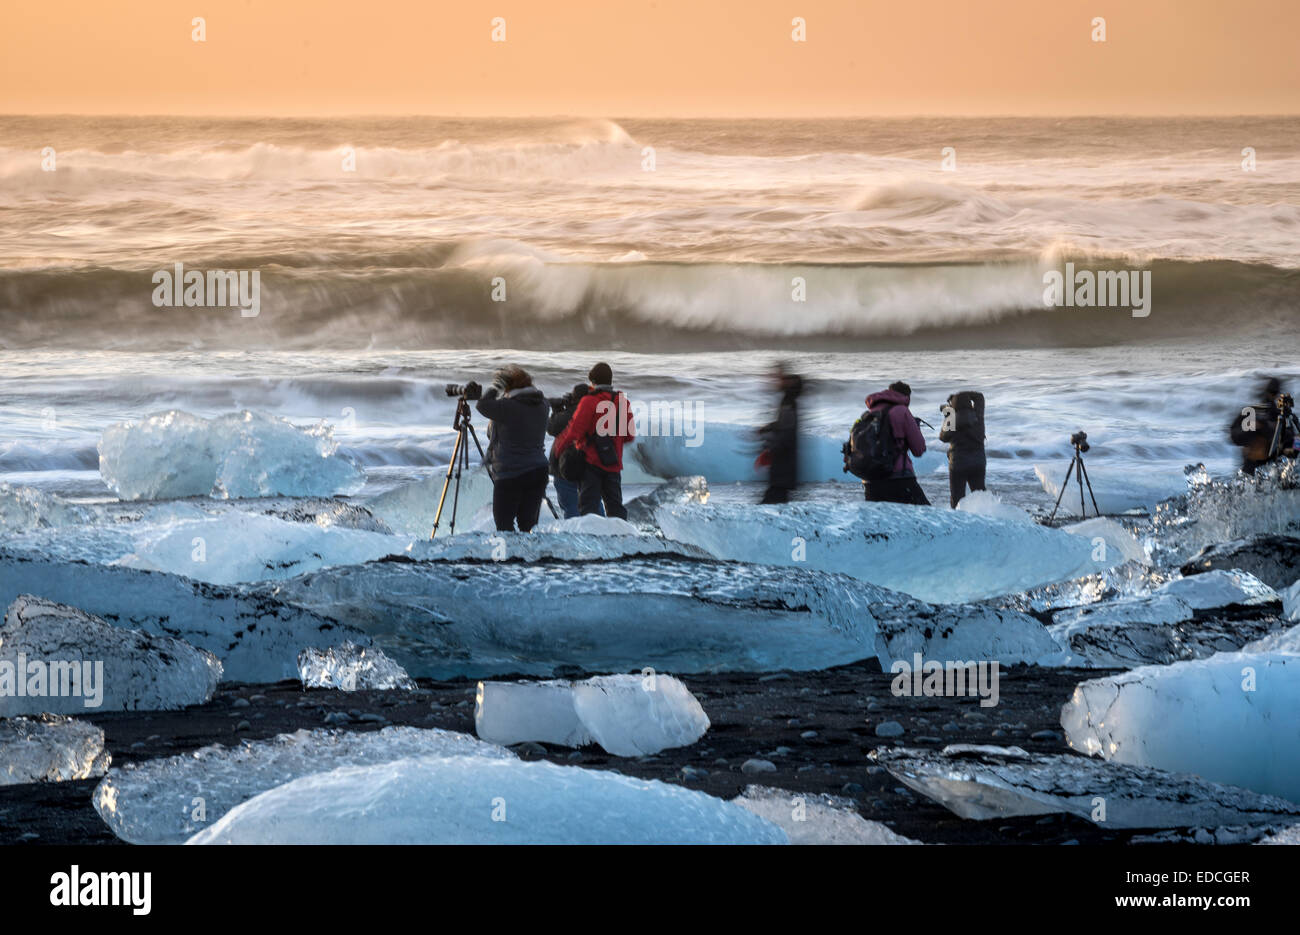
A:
(963, 431)
(901, 486)
(1254, 428)
(600, 427)
(516, 453)
(780, 439)
(562, 411)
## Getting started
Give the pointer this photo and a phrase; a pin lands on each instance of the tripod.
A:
(1081, 475)
(1285, 420)
(459, 462)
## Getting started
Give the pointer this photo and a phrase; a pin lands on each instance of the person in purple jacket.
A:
(901, 486)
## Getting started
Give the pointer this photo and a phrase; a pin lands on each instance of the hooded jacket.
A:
(781, 438)
(903, 425)
(517, 434)
(591, 415)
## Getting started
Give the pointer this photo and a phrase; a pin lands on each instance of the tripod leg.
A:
(1078, 476)
(464, 463)
(1088, 481)
(451, 466)
(1064, 484)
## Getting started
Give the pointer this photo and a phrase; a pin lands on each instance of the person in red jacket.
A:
(600, 427)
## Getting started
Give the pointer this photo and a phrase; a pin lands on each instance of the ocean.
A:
(397, 255)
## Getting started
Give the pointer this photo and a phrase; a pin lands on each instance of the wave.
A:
(505, 294)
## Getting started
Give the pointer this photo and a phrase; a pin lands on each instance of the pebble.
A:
(889, 729)
(1045, 735)
(875, 770)
(874, 706)
(240, 703)
(371, 718)
(720, 761)
(775, 677)
(998, 732)
(951, 727)
(575, 755)
(808, 734)
(782, 751)
(926, 739)
(243, 725)
(532, 749)
(336, 717)
(853, 789)
(692, 773)
(753, 765)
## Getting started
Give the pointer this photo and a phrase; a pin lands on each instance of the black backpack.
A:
(606, 451)
(968, 418)
(873, 450)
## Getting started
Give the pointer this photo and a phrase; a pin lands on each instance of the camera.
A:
(470, 391)
(1080, 440)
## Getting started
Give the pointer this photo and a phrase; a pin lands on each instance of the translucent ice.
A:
(557, 541)
(1226, 510)
(692, 489)
(1230, 718)
(23, 508)
(350, 668)
(256, 637)
(982, 783)
(1114, 493)
(482, 618)
(470, 800)
(1273, 559)
(628, 715)
(240, 454)
(245, 547)
(960, 633)
(984, 503)
(1219, 588)
(154, 801)
(411, 508)
(1105, 533)
(932, 554)
(84, 663)
(50, 748)
(808, 818)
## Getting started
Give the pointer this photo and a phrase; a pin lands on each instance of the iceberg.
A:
(1291, 602)
(83, 662)
(1107, 533)
(553, 543)
(410, 509)
(50, 748)
(1219, 588)
(1131, 491)
(628, 715)
(960, 633)
(1274, 560)
(351, 668)
(1225, 511)
(472, 800)
(932, 554)
(985, 782)
(984, 503)
(690, 489)
(176, 454)
(165, 801)
(256, 637)
(808, 818)
(23, 508)
(239, 547)
(442, 619)
(1230, 718)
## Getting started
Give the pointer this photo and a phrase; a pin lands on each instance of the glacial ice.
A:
(1273, 559)
(1219, 588)
(1278, 641)
(1114, 493)
(538, 546)
(933, 554)
(471, 800)
(1154, 630)
(1291, 602)
(1230, 718)
(442, 619)
(1222, 511)
(154, 801)
(690, 489)
(1112, 535)
(1289, 835)
(237, 547)
(256, 637)
(351, 668)
(726, 454)
(628, 715)
(240, 454)
(410, 509)
(808, 818)
(83, 663)
(23, 508)
(985, 503)
(50, 748)
(960, 633)
(982, 782)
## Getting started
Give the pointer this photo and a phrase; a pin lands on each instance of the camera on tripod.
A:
(1080, 440)
(1285, 404)
(1079, 474)
(470, 391)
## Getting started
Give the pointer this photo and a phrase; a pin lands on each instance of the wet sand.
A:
(817, 728)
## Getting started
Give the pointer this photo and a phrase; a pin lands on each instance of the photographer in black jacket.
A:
(516, 451)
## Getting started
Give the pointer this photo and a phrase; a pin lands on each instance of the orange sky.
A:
(650, 57)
